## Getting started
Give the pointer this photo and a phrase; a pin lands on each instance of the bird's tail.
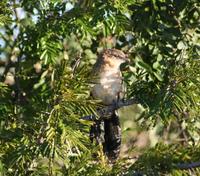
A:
(112, 137)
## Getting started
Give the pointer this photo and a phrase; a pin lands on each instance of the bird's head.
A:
(114, 57)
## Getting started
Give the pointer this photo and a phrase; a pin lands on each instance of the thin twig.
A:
(185, 166)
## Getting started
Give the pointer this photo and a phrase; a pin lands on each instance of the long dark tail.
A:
(112, 137)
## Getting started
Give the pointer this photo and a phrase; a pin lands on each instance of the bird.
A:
(108, 87)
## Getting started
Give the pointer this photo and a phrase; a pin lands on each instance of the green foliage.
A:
(163, 46)
(165, 160)
(5, 12)
(46, 58)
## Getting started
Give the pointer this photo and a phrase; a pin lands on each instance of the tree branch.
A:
(108, 110)
(184, 166)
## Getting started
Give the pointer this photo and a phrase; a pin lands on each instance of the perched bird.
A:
(108, 87)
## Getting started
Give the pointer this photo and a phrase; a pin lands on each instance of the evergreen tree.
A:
(47, 50)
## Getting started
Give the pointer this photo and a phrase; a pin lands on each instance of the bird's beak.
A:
(125, 66)
(127, 58)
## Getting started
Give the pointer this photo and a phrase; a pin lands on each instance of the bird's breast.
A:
(108, 87)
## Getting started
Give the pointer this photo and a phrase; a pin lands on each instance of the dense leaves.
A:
(164, 159)
(47, 51)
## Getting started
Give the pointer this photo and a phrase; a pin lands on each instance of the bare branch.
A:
(184, 166)
(108, 110)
